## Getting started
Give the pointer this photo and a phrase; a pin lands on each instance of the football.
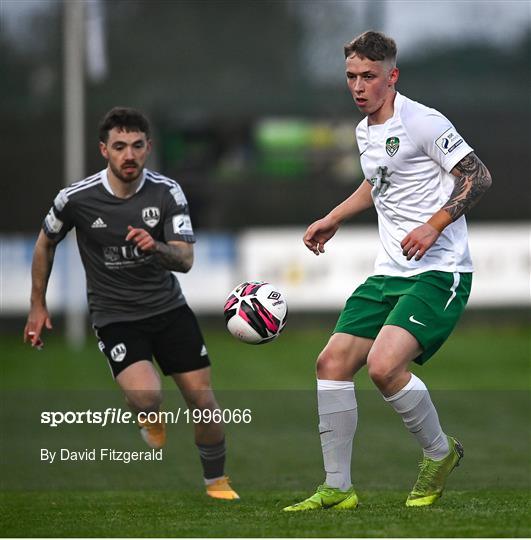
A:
(255, 312)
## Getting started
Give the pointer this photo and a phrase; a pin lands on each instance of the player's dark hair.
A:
(123, 118)
(372, 45)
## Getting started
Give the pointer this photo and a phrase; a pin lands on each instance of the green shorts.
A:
(427, 305)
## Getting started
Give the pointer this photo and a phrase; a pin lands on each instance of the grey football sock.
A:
(338, 418)
(413, 403)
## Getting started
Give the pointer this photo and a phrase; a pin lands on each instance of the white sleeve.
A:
(435, 135)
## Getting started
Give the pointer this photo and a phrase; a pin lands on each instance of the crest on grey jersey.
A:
(391, 145)
(111, 253)
(151, 215)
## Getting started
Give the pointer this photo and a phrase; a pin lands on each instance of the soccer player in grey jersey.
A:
(133, 231)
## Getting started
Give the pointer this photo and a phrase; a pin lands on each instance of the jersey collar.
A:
(107, 185)
(397, 105)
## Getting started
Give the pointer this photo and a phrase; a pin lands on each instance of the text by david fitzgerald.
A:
(100, 454)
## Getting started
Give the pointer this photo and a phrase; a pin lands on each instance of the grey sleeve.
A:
(58, 220)
(176, 216)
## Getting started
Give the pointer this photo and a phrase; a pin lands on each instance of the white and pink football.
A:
(255, 312)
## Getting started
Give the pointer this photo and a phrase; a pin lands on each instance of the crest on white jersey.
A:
(150, 215)
(118, 352)
(391, 145)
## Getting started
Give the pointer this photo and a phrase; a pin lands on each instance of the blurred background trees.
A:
(249, 105)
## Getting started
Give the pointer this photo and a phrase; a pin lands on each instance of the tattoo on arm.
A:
(173, 257)
(472, 179)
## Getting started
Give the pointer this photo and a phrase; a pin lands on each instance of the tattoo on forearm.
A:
(41, 268)
(173, 258)
(471, 181)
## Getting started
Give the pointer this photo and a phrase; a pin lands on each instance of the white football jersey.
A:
(407, 160)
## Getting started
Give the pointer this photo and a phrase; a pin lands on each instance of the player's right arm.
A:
(319, 232)
(41, 267)
(56, 224)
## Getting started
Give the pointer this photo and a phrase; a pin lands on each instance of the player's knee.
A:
(144, 400)
(381, 370)
(380, 376)
(331, 365)
(202, 399)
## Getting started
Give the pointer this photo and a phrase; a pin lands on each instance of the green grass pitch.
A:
(479, 381)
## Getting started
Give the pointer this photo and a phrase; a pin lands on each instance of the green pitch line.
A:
(476, 357)
(485, 513)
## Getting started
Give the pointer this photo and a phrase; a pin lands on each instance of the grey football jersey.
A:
(123, 282)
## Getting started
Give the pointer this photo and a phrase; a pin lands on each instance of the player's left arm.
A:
(472, 179)
(174, 255)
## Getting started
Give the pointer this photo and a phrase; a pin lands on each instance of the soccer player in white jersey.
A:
(133, 231)
(422, 177)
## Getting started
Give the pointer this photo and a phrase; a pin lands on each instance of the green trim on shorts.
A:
(427, 305)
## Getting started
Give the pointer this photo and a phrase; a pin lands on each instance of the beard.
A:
(127, 177)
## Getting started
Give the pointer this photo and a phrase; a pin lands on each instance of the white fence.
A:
(500, 253)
